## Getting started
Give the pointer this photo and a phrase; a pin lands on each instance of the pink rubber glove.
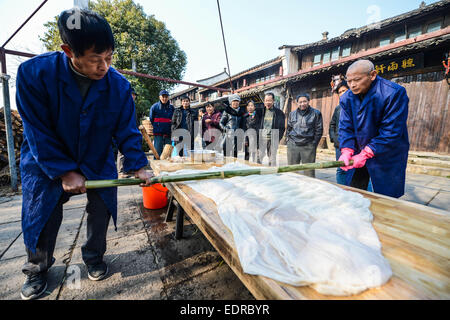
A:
(360, 159)
(346, 156)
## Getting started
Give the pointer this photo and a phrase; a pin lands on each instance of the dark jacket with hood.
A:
(232, 119)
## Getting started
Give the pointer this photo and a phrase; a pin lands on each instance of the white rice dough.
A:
(299, 231)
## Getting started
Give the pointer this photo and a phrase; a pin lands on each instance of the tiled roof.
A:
(263, 65)
(357, 32)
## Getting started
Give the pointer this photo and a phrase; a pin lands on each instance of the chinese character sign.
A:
(400, 64)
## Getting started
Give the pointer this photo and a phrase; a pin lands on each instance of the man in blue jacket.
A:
(72, 105)
(373, 131)
(161, 114)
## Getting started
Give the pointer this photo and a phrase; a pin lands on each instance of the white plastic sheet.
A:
(299, 231)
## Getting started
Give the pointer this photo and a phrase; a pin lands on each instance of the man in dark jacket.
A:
(184, 118)
(272, 123)
(230, 122)
(340, 89)
(304, 130)
(252, 121)
(161, 114)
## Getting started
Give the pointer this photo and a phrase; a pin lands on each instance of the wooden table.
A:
(415, 239)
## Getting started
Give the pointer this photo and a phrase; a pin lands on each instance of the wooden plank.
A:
(415, 239)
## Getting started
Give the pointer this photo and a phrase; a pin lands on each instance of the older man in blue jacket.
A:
(161, 114)
(373, 132)
(72, 105)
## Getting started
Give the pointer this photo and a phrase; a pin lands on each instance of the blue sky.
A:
(254, 29)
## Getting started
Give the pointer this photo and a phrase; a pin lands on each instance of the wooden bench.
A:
(415, 239)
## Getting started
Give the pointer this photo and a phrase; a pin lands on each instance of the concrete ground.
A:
(145, 261)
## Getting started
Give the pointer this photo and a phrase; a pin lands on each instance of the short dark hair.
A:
(185, 97)
(305, 95)
(93, 31)
(341, 84)
(270, 94)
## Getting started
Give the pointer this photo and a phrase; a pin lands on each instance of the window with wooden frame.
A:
(399, 35)
(385, 40)
(414, 31)
(434, 26)
(335, 53)
(346, 50)
(326, 57)
(317, 59)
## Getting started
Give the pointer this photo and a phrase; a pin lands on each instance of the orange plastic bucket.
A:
(155, 196)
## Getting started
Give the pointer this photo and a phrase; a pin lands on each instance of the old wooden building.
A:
(193, 92)
(408, 49)
(258, 77)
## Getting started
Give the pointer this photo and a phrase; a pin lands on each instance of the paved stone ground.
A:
(145, 261)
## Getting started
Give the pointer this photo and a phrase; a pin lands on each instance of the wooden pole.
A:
(92, 184)
(149, 141)
(4, 78)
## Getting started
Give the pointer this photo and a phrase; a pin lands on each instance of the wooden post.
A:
(167, 152)
(149, 141)
(179, 222)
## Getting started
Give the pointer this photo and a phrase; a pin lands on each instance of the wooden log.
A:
(167, 152)
(148, 126)
(149, 141)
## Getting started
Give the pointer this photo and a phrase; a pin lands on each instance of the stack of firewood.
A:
(17, 134)
(148, 126)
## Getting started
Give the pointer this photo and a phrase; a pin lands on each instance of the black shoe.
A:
(34, 286)
(97, 272)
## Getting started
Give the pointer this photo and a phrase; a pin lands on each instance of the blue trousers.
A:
(92, 251)
(341, 175)
(160, 142)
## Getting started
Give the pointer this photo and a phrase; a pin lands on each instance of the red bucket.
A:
(155, 196)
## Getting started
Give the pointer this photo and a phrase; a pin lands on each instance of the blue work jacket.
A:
(161, 118)
(378, 121)
(64, 133)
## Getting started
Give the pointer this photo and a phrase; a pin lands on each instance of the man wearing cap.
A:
(230, 122)
(161, 114)
(304, 130)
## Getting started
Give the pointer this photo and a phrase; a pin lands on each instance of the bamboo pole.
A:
(93, 184)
